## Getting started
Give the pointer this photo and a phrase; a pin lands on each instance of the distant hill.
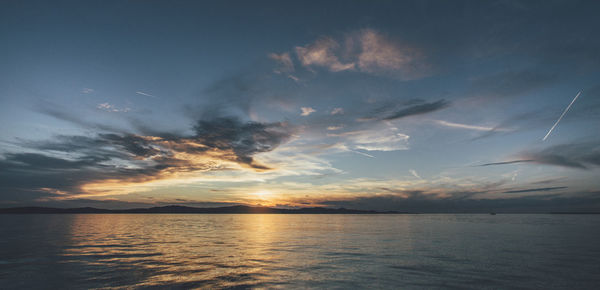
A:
(187, 209)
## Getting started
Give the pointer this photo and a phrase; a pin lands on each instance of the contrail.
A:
(561, 116)
(145, 94)
(361, 153)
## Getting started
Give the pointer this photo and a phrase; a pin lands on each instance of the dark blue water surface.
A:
(299, 251)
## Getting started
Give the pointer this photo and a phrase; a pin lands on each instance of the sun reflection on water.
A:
(127, 251)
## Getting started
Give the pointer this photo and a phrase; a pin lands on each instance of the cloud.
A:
(381, 56)
(438, 194)
(307, 111)
(322, 53)
(468, 127)
(87, 91)
(110, 163)
(43, 162)
(418, 109)
(505, 162)
(367, 51)
(414, 173)
(247, 93)
(334, 128)
(111, 108)
(27, 173)
(536, 189)
(513, 123)
(576, 155)
(244, 139)
(337, 111)
(384, 138)
(286, 65)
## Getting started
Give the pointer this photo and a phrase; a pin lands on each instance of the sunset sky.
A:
(389, 105)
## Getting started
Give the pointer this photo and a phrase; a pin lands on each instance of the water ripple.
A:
(299, 251)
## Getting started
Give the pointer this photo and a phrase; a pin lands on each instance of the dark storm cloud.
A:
(536, 189)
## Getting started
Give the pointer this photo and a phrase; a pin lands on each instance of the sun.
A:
(262, 194)
(262, 197)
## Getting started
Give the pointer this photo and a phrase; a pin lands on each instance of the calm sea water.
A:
(299, 251)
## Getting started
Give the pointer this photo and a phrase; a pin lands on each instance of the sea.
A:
(292, 251)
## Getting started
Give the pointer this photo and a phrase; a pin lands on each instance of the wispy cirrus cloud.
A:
(337, 111)
(382, 138)
(112, 108)
(469, 127)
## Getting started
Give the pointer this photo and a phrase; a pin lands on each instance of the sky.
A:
(420, 106)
